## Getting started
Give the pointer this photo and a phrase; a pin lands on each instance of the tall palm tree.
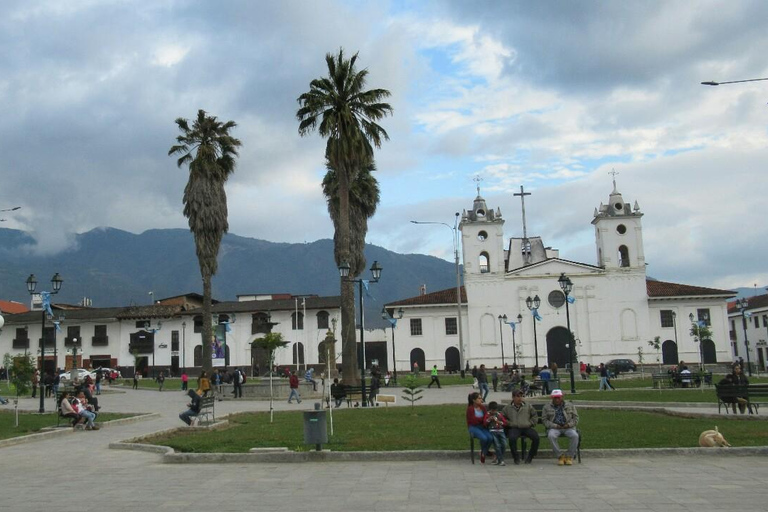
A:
(209, 151)
(345, 113)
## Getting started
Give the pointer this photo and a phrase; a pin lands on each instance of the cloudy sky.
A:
(549, 95)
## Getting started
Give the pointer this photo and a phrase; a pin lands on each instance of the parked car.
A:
(617, 366)
(82, 373)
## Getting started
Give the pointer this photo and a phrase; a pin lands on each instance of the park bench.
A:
(523, 440)
(662, 380)
(754, 394)
(351, 393)
(694, 380)
(538, 386)
(207, 405)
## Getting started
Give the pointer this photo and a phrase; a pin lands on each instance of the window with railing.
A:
(22, 338)
(73, 333)
(100, 337)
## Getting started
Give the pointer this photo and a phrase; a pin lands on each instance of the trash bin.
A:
(315, 429)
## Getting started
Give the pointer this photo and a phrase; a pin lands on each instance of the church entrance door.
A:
(669, 352)
(452, 359)
(557, 352)
(709, 352)
(417, 356)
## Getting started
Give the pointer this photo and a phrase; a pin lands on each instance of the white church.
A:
(613, 307)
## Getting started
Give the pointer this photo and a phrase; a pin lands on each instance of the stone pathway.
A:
(79, 473)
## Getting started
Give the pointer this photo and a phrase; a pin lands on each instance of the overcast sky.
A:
(549, 95)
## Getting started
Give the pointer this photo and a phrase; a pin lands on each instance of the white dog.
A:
(712, 438)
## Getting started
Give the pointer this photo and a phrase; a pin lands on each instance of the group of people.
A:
(79, 409)
(494, 427)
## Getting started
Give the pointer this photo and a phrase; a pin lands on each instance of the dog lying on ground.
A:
(712, 438)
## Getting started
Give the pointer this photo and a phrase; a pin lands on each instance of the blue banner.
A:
(46, 297)
(570, 299)
(536, 315)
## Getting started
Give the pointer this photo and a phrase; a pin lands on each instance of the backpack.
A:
(242, 377)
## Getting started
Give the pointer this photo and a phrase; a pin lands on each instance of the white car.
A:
(82, 373)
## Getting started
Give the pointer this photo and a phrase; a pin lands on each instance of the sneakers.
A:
(528, 460)
(568, 461)
(561, 460)
(502, 463)
(495, 463)
(482, 458)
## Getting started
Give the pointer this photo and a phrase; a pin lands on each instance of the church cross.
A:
(522, 195)
(477, 180)
(613, 173)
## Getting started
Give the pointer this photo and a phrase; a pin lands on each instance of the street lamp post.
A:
(514, 348)
(392, 319)
(455, 230)
(533, 305)
(566, 285)
(184, 346)
(56, 281)
(743, 305)
(376, 273)
(502, 321)
(674, 326)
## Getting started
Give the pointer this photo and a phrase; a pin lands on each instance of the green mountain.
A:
(116, 268)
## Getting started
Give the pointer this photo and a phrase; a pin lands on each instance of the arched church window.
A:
(485, 265)
(623, 256)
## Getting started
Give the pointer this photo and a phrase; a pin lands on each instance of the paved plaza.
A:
(78, 472)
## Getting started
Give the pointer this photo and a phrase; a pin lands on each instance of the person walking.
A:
(184, 380)
(237, 383)
(435, 379)
(495, 379)
(482, 382)
(97, 382)
(135, 379)
(35, 383)
(293, 382)
(161, 380)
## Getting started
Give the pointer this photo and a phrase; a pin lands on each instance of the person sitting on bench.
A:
(193, 408)
(560, 419)
(84, 409)
(67, 411)
(521, 420)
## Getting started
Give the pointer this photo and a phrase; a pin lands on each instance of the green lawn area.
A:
(444, 428)
(29, 423)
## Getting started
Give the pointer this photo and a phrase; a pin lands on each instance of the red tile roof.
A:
(12, 307)
(662, 289)
(440, 297)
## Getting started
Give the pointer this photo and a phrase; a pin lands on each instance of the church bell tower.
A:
(619, 233)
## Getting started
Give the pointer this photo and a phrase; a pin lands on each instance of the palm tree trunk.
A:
(207, 327)
(349, 365)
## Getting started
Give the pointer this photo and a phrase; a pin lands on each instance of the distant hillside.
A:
(116, 268)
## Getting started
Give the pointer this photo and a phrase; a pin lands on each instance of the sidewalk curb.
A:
(170, 456)
(65, 431)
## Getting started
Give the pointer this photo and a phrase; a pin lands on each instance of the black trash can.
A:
(315, 427)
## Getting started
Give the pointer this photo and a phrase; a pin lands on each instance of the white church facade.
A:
(615, 310)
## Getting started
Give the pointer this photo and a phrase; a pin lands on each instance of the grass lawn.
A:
(29, 423)
(443, 428)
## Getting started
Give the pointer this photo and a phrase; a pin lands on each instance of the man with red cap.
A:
(560, 419)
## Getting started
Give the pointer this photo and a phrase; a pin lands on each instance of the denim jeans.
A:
(483, 387)
(481, 434)
(89, 417)
(499, 442)
(294, 393)
(187, 416)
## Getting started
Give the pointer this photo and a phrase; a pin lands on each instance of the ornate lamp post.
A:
(502, 321)
(514, 348)
(184, 346)
(533, 305)
(376, 273)
(743, 304)
(56, 281)
(566, 285)
(392, 319)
